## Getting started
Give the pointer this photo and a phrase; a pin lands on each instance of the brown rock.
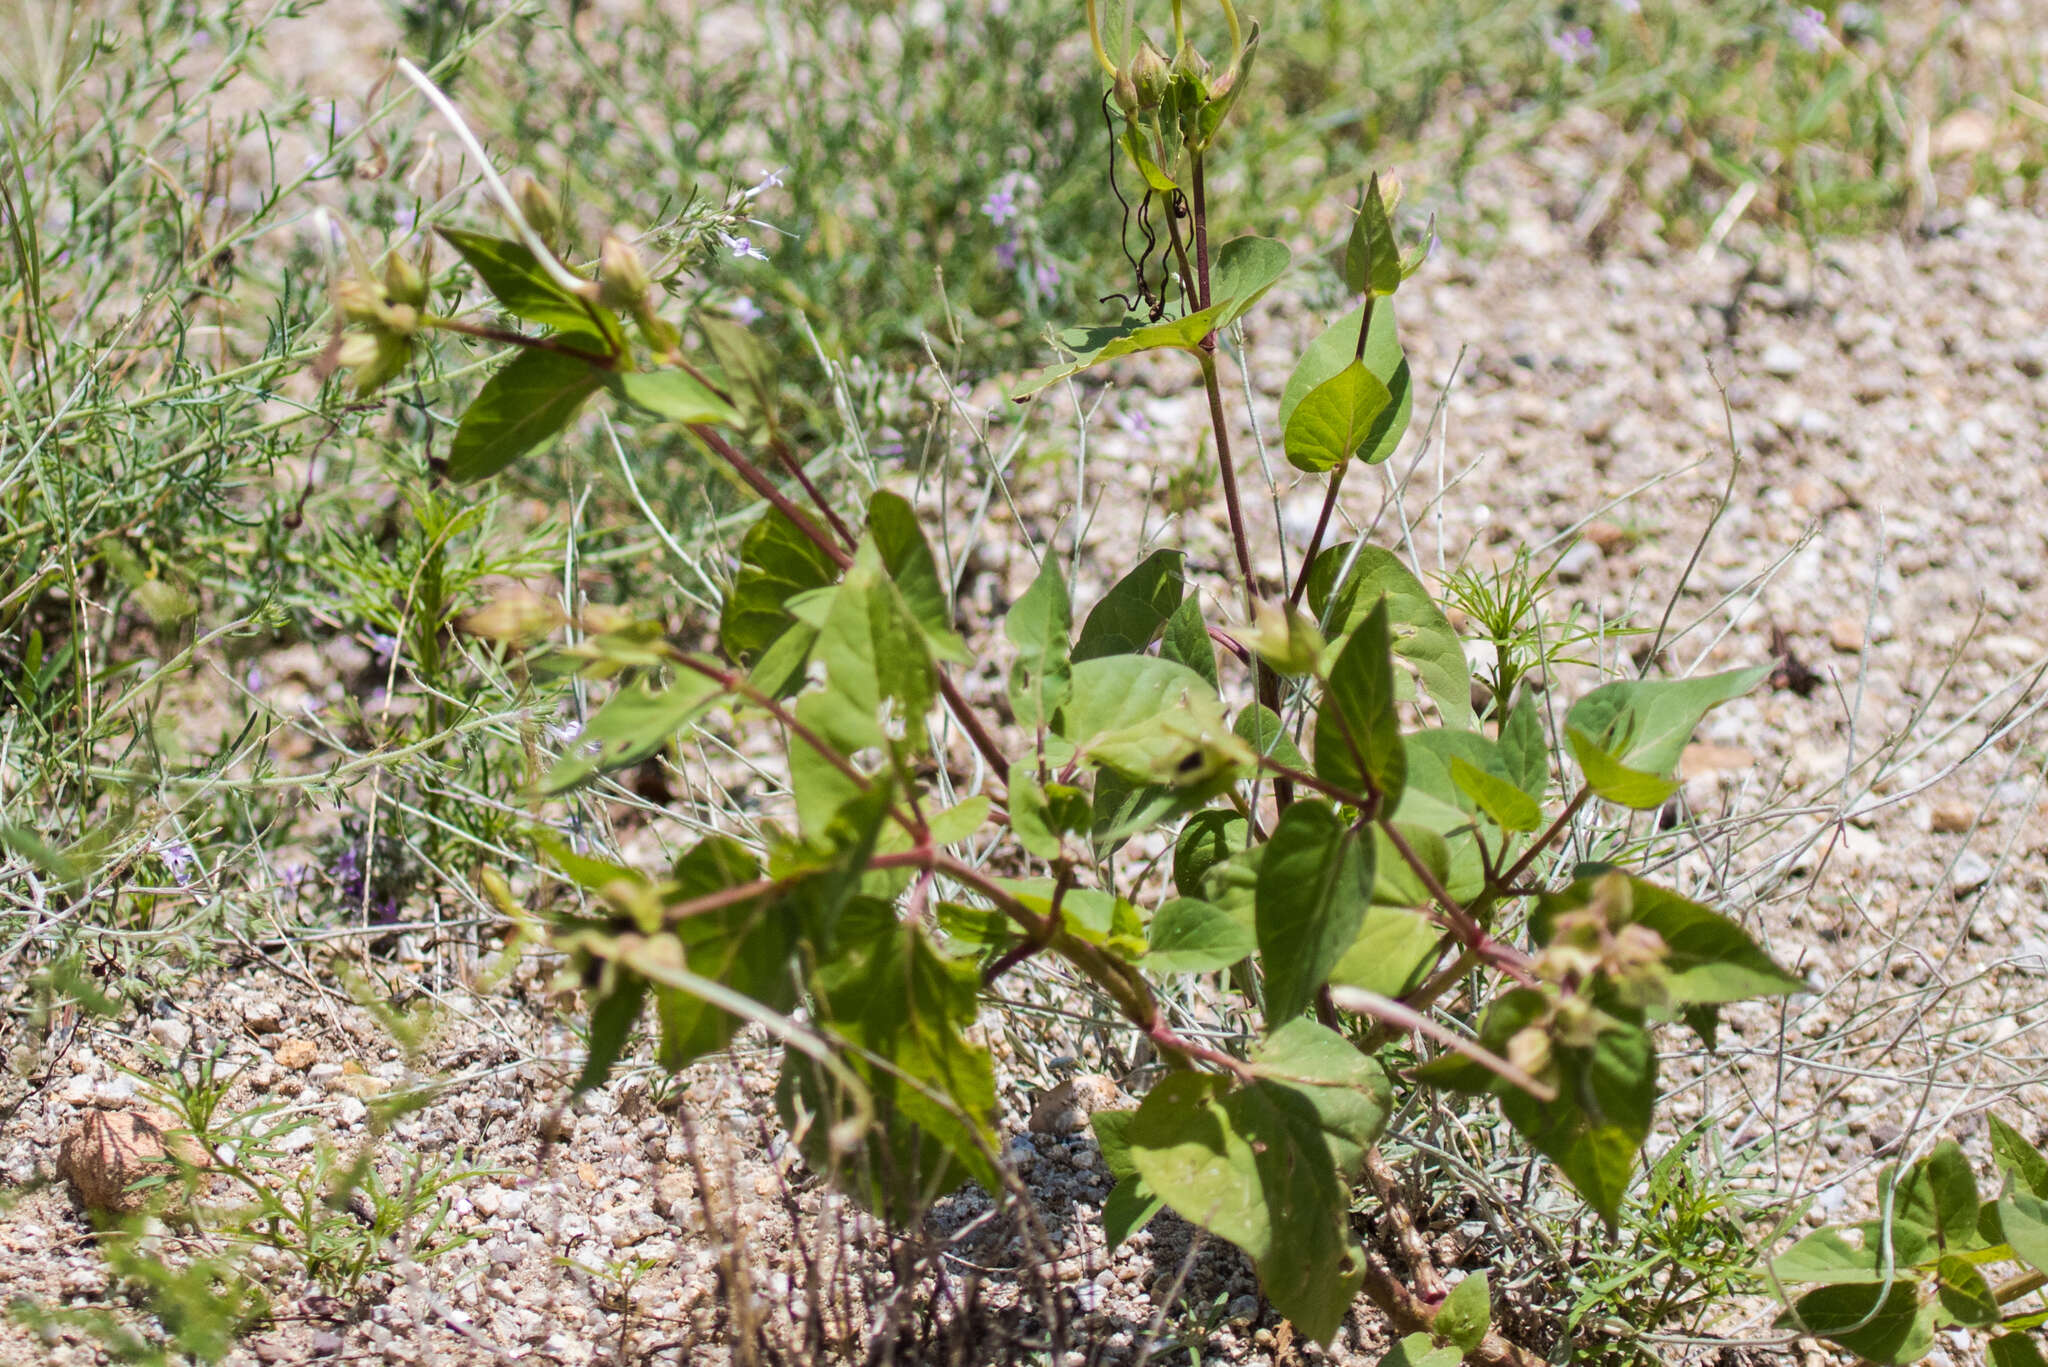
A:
(588, 1175)
(297, 1054)
(1950, 817)
(1066, 1108)
(1846, 635)
(1608, 537)
(108, 1151)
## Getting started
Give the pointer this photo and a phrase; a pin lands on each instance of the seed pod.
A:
(622, 276)
(542, 212)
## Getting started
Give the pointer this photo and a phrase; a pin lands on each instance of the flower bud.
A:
(1190, 63)
(1529, 1050)
(1126, 92)
(403, 283)
(540, 209)
(1150, 75)
(359, 300)
(373, 358)
(622, 276)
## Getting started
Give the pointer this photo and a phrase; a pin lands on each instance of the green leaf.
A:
(1038, 624)
(612, 1018)
(1128, 1208)
(1939, 1193)
(1254, 1166)
(1966, 1298)
(777, 562)
(905, 556)
(1827, 1257)
(1333, 350)
(1522, 747)
(1395, 883)
(1031, 818)
(1466, 1314)
(1133, 613)
(1186, 640)
(1193, 936)
(2024, 1219)
(890, 993)
(746, 946)
(1510, 807)
(1349, 1091)
(875, 660)
(1141, 155)
(634, 724)
(1259, 727)
(2013, 1350)
(1615, 781)
(2018, 1159)
(530, 399)
(1245, 269)
(673, 394)
(1392, 954)
(1422, 636)
(1358, 737)
(1419, 1350)
(1645, 724)
(1372, 259)
(1336, 419)
(1315, 882)
(524, 288)
(1884, 1325)
(1209, 838)
(1597, 1126)
(1113, 1137)
(748, 365)
(1117, 692)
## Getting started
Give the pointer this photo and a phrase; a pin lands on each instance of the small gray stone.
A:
(1971, 872)
(1578, 562)
(1782, 360)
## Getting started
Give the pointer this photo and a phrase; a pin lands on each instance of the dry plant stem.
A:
(1406, 1019)
(1408, 1313)
(818, 500)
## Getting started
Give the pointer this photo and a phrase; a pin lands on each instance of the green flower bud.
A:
(1149, 75)
(373, 358)
(1126, 92)
(542, 212)
(360, 301)
(1529, 1050)
(1192, 64)
(403, 283)
(622, 276)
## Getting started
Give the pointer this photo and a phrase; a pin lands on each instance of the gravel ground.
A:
(1878, 816)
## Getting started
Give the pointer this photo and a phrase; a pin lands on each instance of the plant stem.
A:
(1315, 542)
(1407, 1020)
(1543, 841)
(765, 487)
(507, 337)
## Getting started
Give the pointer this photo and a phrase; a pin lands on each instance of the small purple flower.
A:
(744, 311)
(1132, 421)
(253, 680)
(1001, 205)
(404, 216)
(384, 645)
(1808, 28)
(742, 247)
(179, 861)
(1573, 46)
(1047, 275)
(1006, 254)
(771, 181)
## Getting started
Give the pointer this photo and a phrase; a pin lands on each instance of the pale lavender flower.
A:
(1001, 205)
(178, 859)
(1047, 275)
(744, 311)
(742, 247)
(1573, 46)
(1808, 28)
(1132, 421)
(771, 181)
(1006, 254)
